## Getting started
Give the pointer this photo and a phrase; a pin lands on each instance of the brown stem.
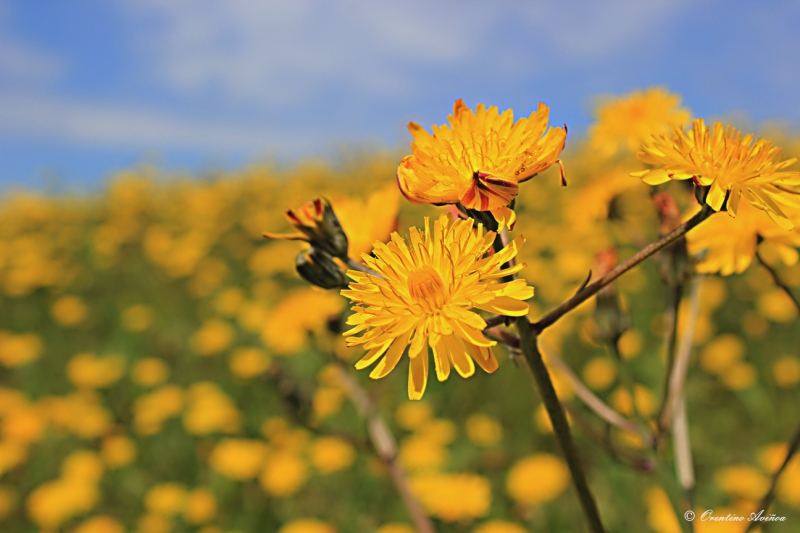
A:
(558, 419)
(590, 290)
(770, 495)
(386, 447)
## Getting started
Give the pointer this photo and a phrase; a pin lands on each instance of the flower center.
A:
(427, 289)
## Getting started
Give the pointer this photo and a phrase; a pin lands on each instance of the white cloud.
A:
(113, 125)
(287, 52)
(20, 63)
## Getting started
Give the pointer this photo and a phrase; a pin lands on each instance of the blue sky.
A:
(89, 86)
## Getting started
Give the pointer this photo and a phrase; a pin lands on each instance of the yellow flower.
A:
(248, 362)
(209, 409)
(537, 479)
(25, 424)
(100, 524)
(69, 311)
(728, 245)
(742, 481)
(12, 454)
(307, 525)
(151, 410)
(624, 122)
(239, 459)
(786, 371)
(283, 474)
(200, 507)
(419, 453)
(479, 159)
(331, 454)
(484, 430)
(166, 499)
(213, 337)
(453, 497)
(18, 350)
(154, 523)
(149, 372)
(118, 451)
(412, 415)
(660, 514)
(86, 370)
(499, 526)
(381, 211)
(80, 413)
(305, 310)
(721, 157)
(599, 373)
(424, 296)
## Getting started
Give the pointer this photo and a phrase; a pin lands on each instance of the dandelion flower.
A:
(721, 157)
(624, 122)
(425, 294)
(479, 159)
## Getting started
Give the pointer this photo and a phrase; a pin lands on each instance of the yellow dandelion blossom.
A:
(728, 245)
(537, 479)
(424, 297)
(307, 525)
(86, 370)
(479, 159)
(284, 474)
(69, 311)
(453, 497)
(118, 451)
(247, 362)
(499, 526)
(380, 208)
(743, 481)
(150, 371)
(166, 499)
(239, 459)
(19, 349)
(624, 122)
(209, 409)
(484, 430)
(100, 524)
(331, 454)
(200, 507)
(721, 157)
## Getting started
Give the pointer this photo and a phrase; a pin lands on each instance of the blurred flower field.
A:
(163, 368)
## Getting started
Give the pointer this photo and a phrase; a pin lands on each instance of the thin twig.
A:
(386, 447)
(677, 377)
(684, 466)
(766, 502)
(558, 419)
(670, 341)
(586, 395)
(778, 281)
(550, 318)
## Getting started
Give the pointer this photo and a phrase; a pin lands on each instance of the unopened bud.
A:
(318, 268)
(318, 225)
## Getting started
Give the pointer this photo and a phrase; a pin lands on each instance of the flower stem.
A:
(778, 281)
(558, 418)
(770, 495)
(386, 448)
(590, 290)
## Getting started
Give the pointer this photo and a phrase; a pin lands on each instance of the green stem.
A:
(558, 418)
(590, 290)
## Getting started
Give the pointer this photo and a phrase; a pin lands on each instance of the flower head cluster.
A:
(624, 122)
(720, 156)
(479, 159)
(423, 296)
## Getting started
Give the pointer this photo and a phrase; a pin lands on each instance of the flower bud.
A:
(318, 268)
(316, 224)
